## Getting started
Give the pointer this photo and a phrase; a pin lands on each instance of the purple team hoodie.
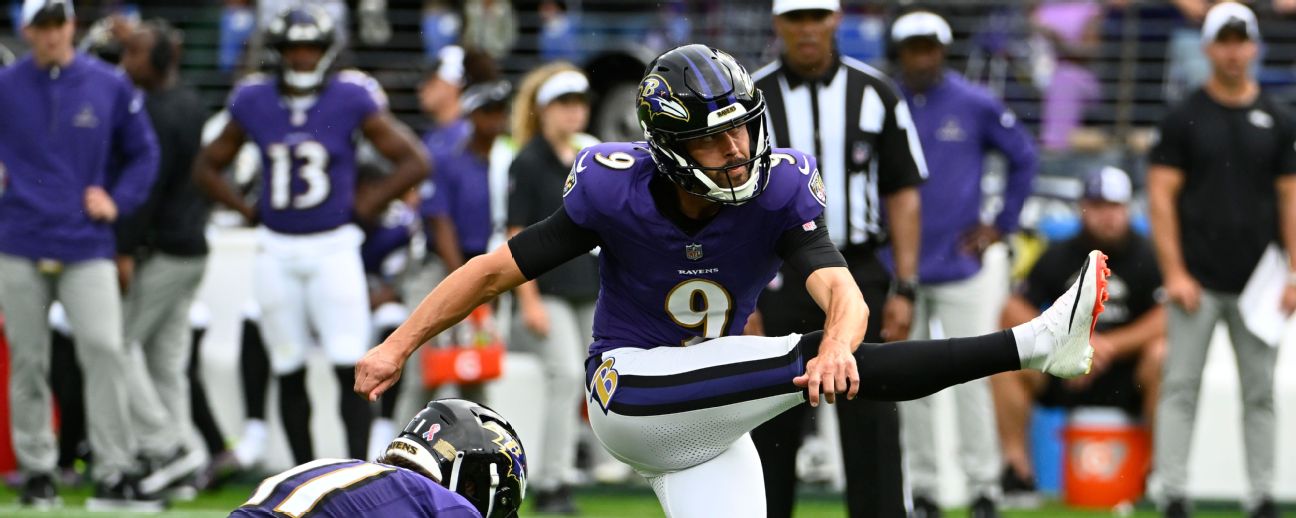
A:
(958, 123)
(63, 130)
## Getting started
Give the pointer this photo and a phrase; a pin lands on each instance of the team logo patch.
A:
(951, 131)
(431, 432)
(508, 445)
(604, 384)
(570, 183)
(85, 118)
(656, 94)
(693, 252)
(817, 188)
(1260, 119)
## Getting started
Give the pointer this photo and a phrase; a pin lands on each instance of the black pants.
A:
(870, 430)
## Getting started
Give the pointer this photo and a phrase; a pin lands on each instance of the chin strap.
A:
(454, 472)
(494, 483)
(314, 79)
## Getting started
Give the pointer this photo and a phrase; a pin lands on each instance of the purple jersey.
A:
(661, 286)
(345, 488)
(461, 190)
(308, 157)
(389, 238)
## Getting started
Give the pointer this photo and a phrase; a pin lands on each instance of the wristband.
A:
(905, 288)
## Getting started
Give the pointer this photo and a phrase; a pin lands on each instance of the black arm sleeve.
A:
(546, 245)
(809, 250)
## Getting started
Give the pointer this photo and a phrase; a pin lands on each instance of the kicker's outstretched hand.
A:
(378, 371)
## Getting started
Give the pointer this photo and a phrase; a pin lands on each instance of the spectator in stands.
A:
(490, 26)
(958, 124)
(438, 95)
(237, 25)
(1226, 145)
(77, 151)
(557, 309)
(441, 25)
(457, 206)
(560, 37)
(1129, 339)
(161, 256)
(1070, 32)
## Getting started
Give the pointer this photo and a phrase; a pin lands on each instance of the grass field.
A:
(597, 503)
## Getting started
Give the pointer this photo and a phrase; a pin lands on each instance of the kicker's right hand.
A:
(378, 370)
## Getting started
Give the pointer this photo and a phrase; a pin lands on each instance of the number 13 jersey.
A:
(308, 152)
(661, 286)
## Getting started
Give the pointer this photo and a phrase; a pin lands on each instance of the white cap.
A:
(921, 24)
(787, 6)
(562, 83)
(31, 8)
(450, 65)
(1108, 184)
(1227, 14)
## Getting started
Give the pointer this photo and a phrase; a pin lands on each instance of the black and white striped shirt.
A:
(859, 128)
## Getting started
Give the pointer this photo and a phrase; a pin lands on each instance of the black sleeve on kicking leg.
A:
(903, 371)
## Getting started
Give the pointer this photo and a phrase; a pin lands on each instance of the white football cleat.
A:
(1068, 324)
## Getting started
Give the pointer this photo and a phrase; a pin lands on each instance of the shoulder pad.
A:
(246, 84)
(256, 78)
(795, 183)
(602, 176)
(370, 85)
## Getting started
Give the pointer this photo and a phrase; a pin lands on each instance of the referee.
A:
(858, 126)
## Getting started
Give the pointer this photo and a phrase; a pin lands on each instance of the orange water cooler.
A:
(1106, 459)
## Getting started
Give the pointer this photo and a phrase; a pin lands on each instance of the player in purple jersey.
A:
(691, 225)
(308, 274)
(455, 459)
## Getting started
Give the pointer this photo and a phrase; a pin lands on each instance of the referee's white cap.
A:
(1229, 15)
(921, 24)
(787, 6)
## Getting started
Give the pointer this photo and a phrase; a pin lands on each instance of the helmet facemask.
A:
(693, 92)
(466, 448)
(678, 164)
(305, 27)
(312, 80)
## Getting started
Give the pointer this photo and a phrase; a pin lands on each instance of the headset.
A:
(167, 40)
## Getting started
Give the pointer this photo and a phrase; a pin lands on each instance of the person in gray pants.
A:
(76, 151)
(1221, 189)
(162, 252)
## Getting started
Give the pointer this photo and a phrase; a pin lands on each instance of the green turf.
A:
(595, 503)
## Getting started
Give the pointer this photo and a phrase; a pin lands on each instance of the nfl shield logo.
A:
(693, 252)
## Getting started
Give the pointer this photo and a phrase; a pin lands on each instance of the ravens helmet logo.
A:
(656, 94)
(509, 446)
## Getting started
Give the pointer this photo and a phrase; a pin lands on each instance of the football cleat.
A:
(1069, 323)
